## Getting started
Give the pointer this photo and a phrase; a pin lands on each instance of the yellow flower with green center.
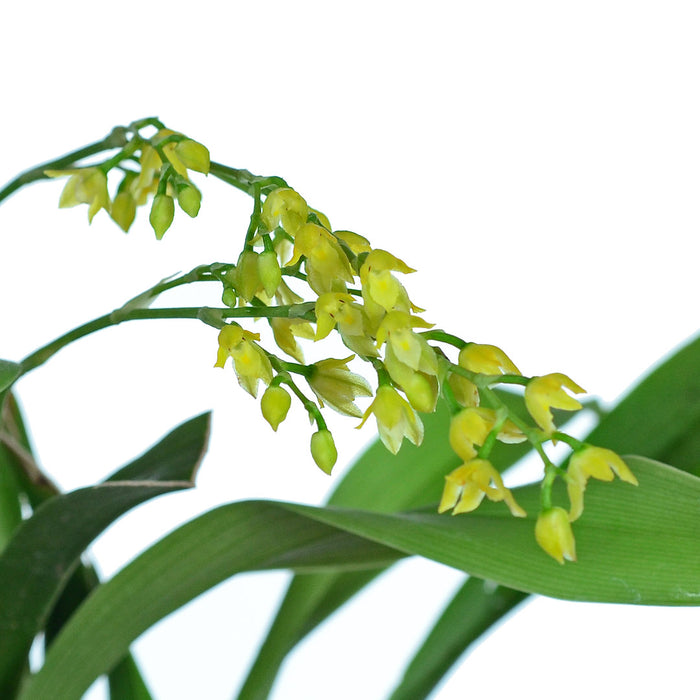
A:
(327, 267)
(408, 347)
(466, 487)
(554, 534)
(284, 207)
(84, 186)
(250, 362)
(334, 384)
(472, 425)
(396, 419)
(547, 392)
(597, 463)
(338, 309)
(381, 291)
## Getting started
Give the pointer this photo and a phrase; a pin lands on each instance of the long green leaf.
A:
(377, 481)
(34, 570)
(635, 545)
(633, 426)
(239, 537)
(477, 606)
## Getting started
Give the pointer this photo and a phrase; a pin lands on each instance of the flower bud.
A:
(190, 199)
(553, 533)
(275, 404)
(162, 213)
(323, 450)
(486, 359)
(123, 210)
(465, 392)
(228, 297)
(246, 275)
(269, 271)
(194, 155)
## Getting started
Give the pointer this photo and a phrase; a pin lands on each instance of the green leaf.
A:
(238, 537)
(10, 494)
(377, 481)
(674, 439)
(9, 372)
(34, 570)
(126, 683)
(660, 412)
(635, 544)
(474, 608)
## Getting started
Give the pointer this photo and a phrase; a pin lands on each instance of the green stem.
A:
(116, 139)
(41, 355)
(442, 337)
(245, 180)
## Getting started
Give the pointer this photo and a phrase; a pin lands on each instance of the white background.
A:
(537, 161)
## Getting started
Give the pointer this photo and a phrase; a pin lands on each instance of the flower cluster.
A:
(309, 281)
(158, 166)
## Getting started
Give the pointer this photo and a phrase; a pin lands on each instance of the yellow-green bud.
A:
(269, 271)
(553, 533)
(421, 391)
(162, 213)
(323, 450)
(247, 276)
(465, 392)
(123, 210)
(275, 404)
(228, 297)
(194, 155)
(190, 199)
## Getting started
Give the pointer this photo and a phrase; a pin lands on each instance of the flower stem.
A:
(118, 316)
(117, 139)
(245, 180)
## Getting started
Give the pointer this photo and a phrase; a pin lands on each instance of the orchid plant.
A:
(463, 405)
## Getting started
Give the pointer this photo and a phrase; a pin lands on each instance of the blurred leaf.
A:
(238, 537)
(662, 415)
(635, 545)
(660, 412)
(9, 371)
(10, 495)
(476, 606)
(633, 421)
(126, 683)
(34, 569)
(377, 481)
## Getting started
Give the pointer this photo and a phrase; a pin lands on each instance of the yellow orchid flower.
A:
(334, 384)
(287, 207)
(554, 534)
(486, 359)
(396, 419)
(466, 487)
(84, 186)
(547, 392)
(597, 463)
